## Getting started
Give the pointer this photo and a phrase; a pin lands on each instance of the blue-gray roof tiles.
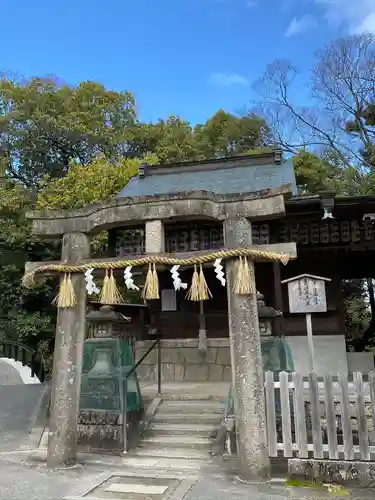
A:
(224, 177)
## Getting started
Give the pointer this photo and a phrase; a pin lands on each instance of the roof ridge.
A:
(234, 175)
(258, 159)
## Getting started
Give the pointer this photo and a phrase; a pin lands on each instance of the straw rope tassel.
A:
(114, 295)
(104, 296)
(238, 272)
(66, 297)
(203, 290)
(148, 282)
(193, 293)
(151, 288)
(250, 276)
(155, 282)
(244, 279)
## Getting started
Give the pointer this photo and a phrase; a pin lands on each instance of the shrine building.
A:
(180, 209)
(207, 251)
(334, 236)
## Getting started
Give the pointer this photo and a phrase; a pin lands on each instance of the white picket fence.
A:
(322, 417)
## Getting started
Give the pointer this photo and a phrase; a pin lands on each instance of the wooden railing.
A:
(322, 417)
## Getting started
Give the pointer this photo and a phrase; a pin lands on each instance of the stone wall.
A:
(333, 471)
(330, 353)
(360, 362)
(182, 361)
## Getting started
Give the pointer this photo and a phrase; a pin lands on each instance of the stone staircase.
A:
(174, 447)
(180, 435)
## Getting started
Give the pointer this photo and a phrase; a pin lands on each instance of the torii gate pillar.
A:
(67, 362)
(247, 365)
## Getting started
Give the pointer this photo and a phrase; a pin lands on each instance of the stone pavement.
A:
(105, 478)
(19, 412)
(20, 480)
(23, 473)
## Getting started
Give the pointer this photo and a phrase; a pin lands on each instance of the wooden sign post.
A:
(307, 295)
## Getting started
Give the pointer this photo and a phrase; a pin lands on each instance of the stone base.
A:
(103, 431)
(182, 361)
(333, 471)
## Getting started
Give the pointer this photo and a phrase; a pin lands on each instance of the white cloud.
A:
(357, 15)
(228, 79)
(301, 25)
(367, 25)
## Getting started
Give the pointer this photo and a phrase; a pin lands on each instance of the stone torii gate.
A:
(236, 213)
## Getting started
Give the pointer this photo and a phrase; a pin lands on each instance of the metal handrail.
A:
(157, 344)
(12, 348)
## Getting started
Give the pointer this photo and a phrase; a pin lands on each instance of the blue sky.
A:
(182, 57)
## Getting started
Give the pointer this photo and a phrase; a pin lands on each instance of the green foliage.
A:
(175, 140)
(24, 314)
(363, 126)
(84, 185)
(43, 126)
(314, 174)
(357, 318)
(226, 134)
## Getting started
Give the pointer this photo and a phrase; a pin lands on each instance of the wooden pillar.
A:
(67, 362)
(247, 366)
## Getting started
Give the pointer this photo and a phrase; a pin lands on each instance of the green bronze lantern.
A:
(109, 396)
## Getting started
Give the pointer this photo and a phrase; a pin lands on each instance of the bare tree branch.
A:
(342, 86)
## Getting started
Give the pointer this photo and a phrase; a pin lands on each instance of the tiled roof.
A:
(227, 176)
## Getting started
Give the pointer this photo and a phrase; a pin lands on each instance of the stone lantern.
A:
(108, 394)
(106, 323)
(266, 315)
(276, 354)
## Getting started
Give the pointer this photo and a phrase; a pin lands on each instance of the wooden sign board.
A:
(307, 294)
(168, 300)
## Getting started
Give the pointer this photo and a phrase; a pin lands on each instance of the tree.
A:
(175, 140)
(314, 173)
(44, 126)
(342, 89)
(225, 134)
(24, 314)
(358, 314)
(338, 125)
(85, 185)
(171, 140)
(366, 120)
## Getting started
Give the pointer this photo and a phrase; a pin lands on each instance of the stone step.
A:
(193, 397)
(198, 407)
(151, 451)
(205, 430)
(198, 443)
(203, 418)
